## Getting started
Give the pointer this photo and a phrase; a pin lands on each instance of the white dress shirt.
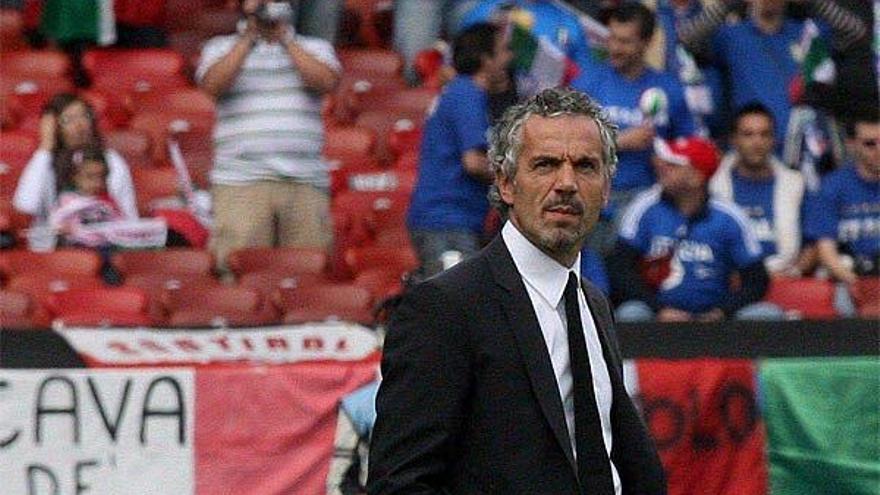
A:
(545, 280)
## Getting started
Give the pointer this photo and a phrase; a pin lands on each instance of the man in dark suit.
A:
(482, 391)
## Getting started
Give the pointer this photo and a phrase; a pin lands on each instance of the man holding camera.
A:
(269, 182)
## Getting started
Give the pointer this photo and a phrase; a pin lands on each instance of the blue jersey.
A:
(593, 269)
(755, 198)
(620, 99)
(704, 250)
(847, 209)
(760, 66)
(446, 197)
(551, 22)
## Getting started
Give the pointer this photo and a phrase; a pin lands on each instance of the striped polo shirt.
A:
(269, 124)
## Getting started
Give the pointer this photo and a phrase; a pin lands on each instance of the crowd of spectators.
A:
(680, 78)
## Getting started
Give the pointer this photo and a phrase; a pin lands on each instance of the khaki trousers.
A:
(269, 213)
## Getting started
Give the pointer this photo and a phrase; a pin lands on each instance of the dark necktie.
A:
(594, 468)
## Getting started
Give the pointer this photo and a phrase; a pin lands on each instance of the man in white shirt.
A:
(502, 374)
(269, 182)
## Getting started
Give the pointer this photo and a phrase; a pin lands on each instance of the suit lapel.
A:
(527, 332)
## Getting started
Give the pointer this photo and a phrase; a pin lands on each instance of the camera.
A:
(274, 13)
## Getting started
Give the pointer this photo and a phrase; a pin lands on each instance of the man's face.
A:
(626, 49)
(560, 184)
(753, 140)
(677, 180)
(867, 148)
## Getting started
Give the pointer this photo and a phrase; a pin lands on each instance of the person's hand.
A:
(48, 131)
(283, 33)
(672, 314)
(640, 137)
(715, 314)
(251, 31)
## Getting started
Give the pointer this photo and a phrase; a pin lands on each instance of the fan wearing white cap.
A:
(678, 250)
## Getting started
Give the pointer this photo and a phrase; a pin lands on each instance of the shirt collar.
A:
(542, 272)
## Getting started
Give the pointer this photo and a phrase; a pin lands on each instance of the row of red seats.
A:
(271, 283)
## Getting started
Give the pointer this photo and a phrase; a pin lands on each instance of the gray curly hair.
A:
(505, 139)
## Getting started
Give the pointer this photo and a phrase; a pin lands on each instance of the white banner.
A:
(338, 341)
(96, 432)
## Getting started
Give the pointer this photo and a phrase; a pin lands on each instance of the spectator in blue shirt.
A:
(844, 217)
(678, 249)
(449, 203)
(770, 193)
(762, 54)
(622, 86)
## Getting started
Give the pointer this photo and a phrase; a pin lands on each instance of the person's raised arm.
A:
(222, 74)
(694, 33)
(316, 75)
(848, 28)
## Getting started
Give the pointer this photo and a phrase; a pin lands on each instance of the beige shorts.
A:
(269, 213)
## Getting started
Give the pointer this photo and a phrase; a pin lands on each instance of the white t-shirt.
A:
(269, 125)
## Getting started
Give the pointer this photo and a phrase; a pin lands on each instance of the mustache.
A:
(573, 203)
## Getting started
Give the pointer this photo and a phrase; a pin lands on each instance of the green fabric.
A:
(524, 47)
(70, 20)
(823, 425)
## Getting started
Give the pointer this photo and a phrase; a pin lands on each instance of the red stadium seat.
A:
(111, 109)
(15, 152)
(173, 100)
(866, 295)
(268, 281)
(383, 122)
(17, 310)
(154, 184)
(349, 143)
(134, 145)
(42, 285)
(161, 125)
(282, 260)
(37, 63)
(179, 261)
(382, 283)
(208, 306)
(11, 31)
(404, 140)
(117, 306)
(75, 262)
(325, 302)
(367, 62)
(141, 69)
(33, 92)
(392, 258)
(807, 298)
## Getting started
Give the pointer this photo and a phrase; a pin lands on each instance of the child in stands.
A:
(83, 202)
(83, 198)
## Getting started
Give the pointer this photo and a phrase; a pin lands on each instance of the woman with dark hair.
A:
(68, 123)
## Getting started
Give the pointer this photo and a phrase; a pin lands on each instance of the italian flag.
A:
(775, 426)
(79, 20)
(539, 63)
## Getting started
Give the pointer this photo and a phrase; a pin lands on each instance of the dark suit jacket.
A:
(469, 404)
